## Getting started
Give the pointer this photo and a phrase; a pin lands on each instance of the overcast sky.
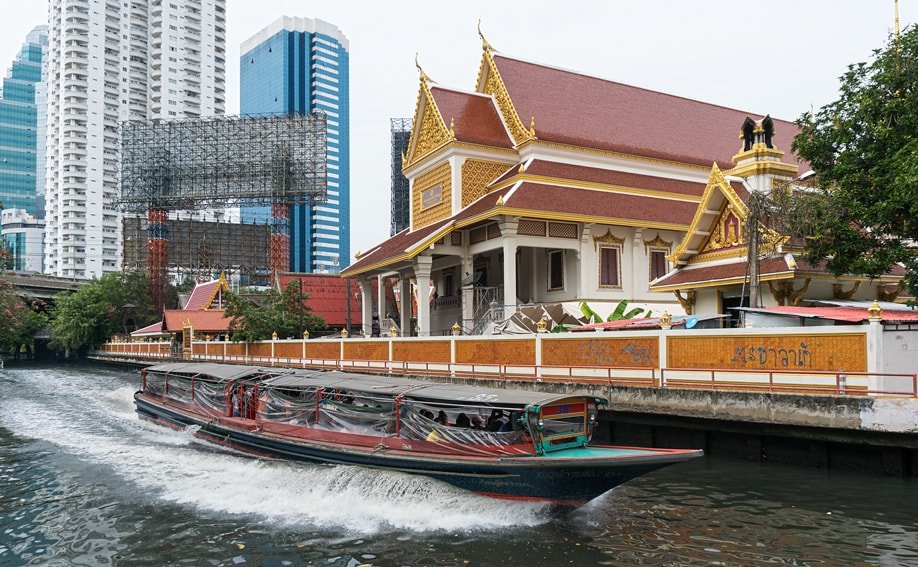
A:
(779, 57)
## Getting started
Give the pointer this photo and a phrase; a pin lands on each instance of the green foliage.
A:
(284, 313)
(20, 322)
(619, 313)
(96, 312)
(591, 316)
(864, 218)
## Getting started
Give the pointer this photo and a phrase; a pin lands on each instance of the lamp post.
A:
(757, 206)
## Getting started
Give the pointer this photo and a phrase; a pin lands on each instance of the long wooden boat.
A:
(512, 444)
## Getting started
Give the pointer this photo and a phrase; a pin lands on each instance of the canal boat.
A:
(514, 444)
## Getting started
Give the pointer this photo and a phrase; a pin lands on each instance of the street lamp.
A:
(757, 205)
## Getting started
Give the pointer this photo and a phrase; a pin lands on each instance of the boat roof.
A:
(416, 389)
(219, 372)
(370, 384)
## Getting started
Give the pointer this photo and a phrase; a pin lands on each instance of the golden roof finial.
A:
(897, 26)
(417, 64)
(484, 43)
(500, 201)
(532, 126)
(452, 129)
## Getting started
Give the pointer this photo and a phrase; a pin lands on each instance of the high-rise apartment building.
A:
(110, 61)
(19, 124)
(400, 208)
(298, 66)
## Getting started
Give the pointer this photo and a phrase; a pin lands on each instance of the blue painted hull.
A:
(563, 482)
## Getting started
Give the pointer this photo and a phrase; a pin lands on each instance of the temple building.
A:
(544, 185)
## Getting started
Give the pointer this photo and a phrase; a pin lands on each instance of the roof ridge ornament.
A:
(424, 76)
(484, 42)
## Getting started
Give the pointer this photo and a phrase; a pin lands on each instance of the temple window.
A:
(556, 270)
(610, 273)
(658, 264)
(431, 196)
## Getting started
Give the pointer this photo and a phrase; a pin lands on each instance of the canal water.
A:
(84, 482)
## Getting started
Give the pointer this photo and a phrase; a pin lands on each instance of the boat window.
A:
(563, 421)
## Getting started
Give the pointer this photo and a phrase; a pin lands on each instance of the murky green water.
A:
(84, 482)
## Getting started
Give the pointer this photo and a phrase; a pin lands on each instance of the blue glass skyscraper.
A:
(19, 123)
(298, 66)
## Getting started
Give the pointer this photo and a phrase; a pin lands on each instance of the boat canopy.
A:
(217, 372)
(417, 390)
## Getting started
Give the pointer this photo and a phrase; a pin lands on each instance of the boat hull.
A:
(561, 481)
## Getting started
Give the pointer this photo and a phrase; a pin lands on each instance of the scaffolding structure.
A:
(401, 195)
(200, 164)
(201, 249)
(222, 161)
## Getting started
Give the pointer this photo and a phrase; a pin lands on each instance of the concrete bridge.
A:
(40, 286)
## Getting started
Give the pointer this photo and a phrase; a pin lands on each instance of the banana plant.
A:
(620, 312)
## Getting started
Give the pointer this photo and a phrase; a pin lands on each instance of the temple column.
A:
(381, 305)
(508, 226)
(366, 305)
(468, 291)
(640, 271)
(422, 268)
(404, 295)
(589, 263)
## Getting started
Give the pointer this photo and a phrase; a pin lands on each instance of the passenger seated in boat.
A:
(477, 422)
(463, 421)
(428, 414)
(495, 421)
(441, 418)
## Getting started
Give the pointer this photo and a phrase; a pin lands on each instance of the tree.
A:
(20, 322)
(864, 217)
(285, 313)
(92, 315)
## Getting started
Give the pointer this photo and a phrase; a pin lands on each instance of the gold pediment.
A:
(607, 238)
(658, 242)
(717, 183)
(491, 83)
(727, 231)
(429, 131)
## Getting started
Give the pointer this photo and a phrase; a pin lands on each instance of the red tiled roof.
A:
(600, 204)
(395, 246)
(611, 177)
(576, 109)
(201, 295)
(850, 314)
(328, 296)
(646, 323)
(154, 329)
(474, 116)
(202, 321)
(774, 265)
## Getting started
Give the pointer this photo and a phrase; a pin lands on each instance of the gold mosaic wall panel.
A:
(476, 174)
(366, 350)
(323, 349)
(520, 352)
(439, 175)
(420, 351)
(235, 349)
(765, 352)
(637, 352)
(260, 349)
(288, 350)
